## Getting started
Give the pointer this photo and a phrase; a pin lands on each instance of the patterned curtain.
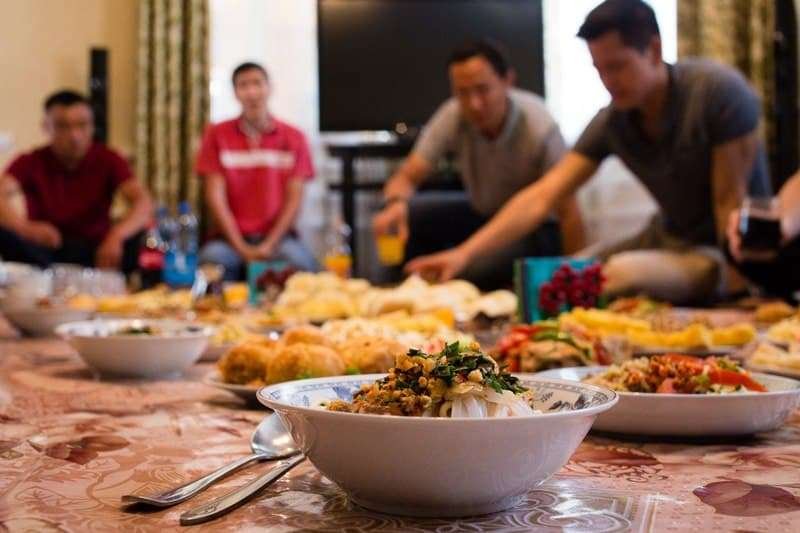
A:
(173, 99)
(739, 33)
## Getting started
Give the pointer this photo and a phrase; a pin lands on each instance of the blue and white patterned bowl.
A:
(436, 466)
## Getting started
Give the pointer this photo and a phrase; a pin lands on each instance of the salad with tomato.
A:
(544, 345)
(678, 374)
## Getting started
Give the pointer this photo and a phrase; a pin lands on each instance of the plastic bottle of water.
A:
(181, 258)
(167, 227)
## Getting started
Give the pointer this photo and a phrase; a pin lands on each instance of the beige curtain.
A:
(739, 33)
(173, 99)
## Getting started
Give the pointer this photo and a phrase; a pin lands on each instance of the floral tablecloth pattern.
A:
(71, 445)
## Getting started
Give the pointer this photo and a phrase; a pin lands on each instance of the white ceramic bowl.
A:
(11, 271)
(176, 348)
(41, 322)
(436, 466)
(25, 289)
(696, 415)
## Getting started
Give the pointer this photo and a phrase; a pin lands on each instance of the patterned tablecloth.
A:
(70, 446)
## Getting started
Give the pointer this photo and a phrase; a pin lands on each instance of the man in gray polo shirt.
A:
(688, 131)
(502, 140)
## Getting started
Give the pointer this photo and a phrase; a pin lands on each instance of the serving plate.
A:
(695, 415)
(775, 370)
(246, 392)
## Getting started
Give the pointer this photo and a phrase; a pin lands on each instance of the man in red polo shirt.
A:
(68, 187)
(255, 167)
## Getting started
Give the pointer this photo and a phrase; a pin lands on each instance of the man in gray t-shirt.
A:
(502, 140)
(707, 105)
(494, 169)
(688, 131)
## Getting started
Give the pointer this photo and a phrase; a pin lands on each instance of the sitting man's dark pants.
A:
(779, 277)
(14, 248)
(439, 221)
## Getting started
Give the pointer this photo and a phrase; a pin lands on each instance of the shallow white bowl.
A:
(436, 466)
(41, 322)
(137, 356)
(694, 415)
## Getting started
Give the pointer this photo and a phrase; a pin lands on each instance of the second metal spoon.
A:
(270, 441)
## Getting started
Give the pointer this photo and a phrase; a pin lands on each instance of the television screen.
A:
(383, 62)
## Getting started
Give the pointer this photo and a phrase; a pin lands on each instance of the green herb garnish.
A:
(460, 362)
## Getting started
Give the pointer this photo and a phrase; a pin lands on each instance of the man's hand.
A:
(43, 234)
(265, 249)
(247, 252)
(109, 253)
(392, 219)
(442, 266)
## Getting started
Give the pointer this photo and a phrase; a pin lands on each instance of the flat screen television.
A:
(383, 62)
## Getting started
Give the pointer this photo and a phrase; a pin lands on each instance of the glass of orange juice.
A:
(391, 249)
(340, 264)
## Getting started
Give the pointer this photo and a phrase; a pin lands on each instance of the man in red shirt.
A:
(255, 167)
(68, 187)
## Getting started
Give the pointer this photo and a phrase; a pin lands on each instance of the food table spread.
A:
(71, 446)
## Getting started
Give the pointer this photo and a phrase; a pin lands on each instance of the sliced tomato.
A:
(603, 357)
(528, 329)
(667, 387)
(729, 377)
(511, 341)
(513, 364)
(517, 336)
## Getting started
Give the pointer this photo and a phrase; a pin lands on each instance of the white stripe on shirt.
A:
(269, 158)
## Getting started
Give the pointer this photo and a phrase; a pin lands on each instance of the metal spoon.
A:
(233, 499)
(270, 441)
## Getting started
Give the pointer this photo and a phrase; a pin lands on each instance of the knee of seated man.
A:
(219, 252)
(678, 277)
(297, 254)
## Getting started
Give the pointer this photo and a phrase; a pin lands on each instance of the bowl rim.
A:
(47, 310)
(549, 374)
(204, 331)
(278, 406)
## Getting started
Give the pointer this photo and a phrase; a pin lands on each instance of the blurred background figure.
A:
(254, 169)
(67, 187)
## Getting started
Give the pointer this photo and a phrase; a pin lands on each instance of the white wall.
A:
(45, 47)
